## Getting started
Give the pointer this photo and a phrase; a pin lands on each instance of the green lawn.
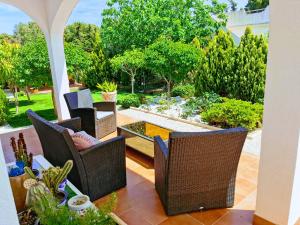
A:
(42, 105)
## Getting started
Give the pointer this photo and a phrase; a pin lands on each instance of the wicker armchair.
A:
(197, 170)
(97, 119)
(97, 171)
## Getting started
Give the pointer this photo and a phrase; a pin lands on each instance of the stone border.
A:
(197, 124)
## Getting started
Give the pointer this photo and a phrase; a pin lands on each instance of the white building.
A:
(258, 20)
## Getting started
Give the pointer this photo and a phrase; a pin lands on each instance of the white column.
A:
(8, 212)
(278, 197)
(59, 73)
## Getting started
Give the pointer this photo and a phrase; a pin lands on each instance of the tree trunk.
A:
(132, 84)
(53, 100)
(27, 93)
(169, 88)
(16, 99)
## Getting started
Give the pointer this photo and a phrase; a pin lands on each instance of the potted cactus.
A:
(109, 91)
(16, 172)
(53, 177)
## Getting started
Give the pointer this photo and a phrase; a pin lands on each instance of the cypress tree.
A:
(215, 72)
(250, 67)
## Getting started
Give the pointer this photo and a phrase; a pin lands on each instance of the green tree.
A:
(233, 5)
(250, 64)
(27, 32)
(129, 63)
(34, 64)
(131, 24)
(7, 38)
(9, 74)
(86, 36)
(171, 61)
(78, 62)
(216, 70)
(256, 4)
(100, 69)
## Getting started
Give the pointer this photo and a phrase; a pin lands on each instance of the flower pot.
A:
(28, 217)
(19, 192)
(62, 197)
(79, 203)
(109, 96)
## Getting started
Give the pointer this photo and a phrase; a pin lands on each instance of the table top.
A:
(146, 130)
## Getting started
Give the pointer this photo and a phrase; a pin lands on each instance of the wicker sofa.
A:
(197, 170)
(98, 119)
(97, 171)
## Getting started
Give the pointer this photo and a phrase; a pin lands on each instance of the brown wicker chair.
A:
(98, 119)
(197, 170)
(97, 171)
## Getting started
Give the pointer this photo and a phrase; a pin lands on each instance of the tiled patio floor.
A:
(139, 204)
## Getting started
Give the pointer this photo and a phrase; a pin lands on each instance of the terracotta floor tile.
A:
(181, 220)
(209, 217)
(133, 179)
(236, 217)
(133, 217)
(244, 186)
(151, 209)
(248, 203)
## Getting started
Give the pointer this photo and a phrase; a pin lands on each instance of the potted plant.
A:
(53, 177)
(47, 211)
(109, 91)
(79, 203)
(16, 172)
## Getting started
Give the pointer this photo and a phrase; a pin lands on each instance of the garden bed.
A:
(208, 111)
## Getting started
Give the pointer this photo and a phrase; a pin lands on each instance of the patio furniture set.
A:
(193, 170)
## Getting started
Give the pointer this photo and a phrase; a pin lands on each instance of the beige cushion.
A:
(103, 114)
(83, 141)
(85, 99)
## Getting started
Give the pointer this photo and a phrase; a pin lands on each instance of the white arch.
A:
(52, 17)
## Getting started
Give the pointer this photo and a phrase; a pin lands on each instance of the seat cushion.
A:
(83, 141)
(103, 114)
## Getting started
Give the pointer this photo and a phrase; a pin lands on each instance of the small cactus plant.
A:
(34, 191)
(53, 176)
(20, 150)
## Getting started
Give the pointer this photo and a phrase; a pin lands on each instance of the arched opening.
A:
(27, 71)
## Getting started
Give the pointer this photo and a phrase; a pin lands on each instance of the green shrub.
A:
(3, 107)
(184, 91)
(234, 113)
(130, 100)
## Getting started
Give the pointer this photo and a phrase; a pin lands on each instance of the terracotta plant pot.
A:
(19, 192)
(109, 96)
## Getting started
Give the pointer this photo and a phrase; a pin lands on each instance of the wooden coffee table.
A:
(139, 136)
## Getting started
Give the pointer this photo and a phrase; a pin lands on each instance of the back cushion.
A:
(83, 141)
(85, 99)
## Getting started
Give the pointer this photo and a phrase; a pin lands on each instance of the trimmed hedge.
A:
(234, 113)
(130, 100)
(184, 91)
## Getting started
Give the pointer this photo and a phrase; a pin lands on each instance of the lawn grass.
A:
(42, 105)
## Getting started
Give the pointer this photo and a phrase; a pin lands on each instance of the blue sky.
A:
(88, 11)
